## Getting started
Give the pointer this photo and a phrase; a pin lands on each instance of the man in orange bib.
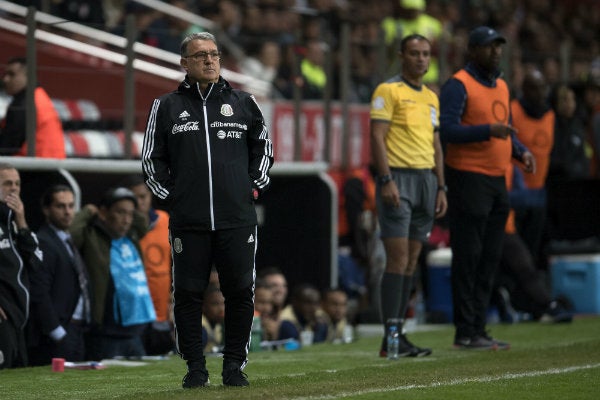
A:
(475, 126)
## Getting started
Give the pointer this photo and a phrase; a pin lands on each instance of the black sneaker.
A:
(405, 349)
(475, 343)
(500, 345)
(417, 351)
(233, 375)
(197, 376)
(556, 313)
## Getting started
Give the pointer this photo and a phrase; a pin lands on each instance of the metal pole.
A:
(345, 91)
(327, 95)
(31, 110)
(129, 87)
(297, 92)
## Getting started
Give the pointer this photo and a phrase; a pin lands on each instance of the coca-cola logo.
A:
(187, 127)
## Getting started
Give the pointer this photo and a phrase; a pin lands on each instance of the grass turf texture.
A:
(545, 362)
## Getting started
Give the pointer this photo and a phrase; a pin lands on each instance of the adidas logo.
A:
(184, 114)
(250, 239)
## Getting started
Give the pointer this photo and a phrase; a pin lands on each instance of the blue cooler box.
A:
(577, 277)
(439, 296)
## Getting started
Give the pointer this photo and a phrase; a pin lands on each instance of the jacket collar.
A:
(193, 89)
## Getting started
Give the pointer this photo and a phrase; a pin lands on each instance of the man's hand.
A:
(13, 201)
(390, 194)
(441, 204)
(501, 131)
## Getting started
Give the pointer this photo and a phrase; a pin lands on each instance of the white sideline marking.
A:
(455, 382)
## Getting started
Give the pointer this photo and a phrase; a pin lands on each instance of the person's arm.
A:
(441, 202)
(260, 148)
(12, 135)
(40, 289)
(155, 154)
(522, 154)
(389, 191)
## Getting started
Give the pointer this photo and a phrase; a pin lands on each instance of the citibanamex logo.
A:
(188, 126)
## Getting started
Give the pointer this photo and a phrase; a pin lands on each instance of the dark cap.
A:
(111, 196)
(484, 35)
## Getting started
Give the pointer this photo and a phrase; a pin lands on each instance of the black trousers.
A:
(232, 252)
(477, 211)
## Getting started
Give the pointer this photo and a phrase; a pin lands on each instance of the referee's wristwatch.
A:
(383, 179)
(443, 188)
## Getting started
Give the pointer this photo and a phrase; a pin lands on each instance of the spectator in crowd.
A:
(475, 115)
(312, 70)
(19, 256)
(301, 315)
(519, 283)
(210, 181)
(169, 31)
(156, 255)
(533, 120)
(213, 313)
(121, 307)
(412, 19)
(49, 136)
(275, 280)
(264, 307)
(263, 64)
(568, 159)
(60, 298)
(411, 189)
(334, 304)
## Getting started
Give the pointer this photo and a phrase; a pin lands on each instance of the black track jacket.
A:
(203, 154)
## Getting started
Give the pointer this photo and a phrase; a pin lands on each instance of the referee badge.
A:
(177, 246)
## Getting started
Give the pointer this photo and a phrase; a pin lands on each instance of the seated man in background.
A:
(264, 307)
(121, 308)
(60, 302)
(335, 307)
(521, 286)
(301, 315)
(213, 317)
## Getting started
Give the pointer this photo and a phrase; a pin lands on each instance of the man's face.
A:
(214, 307)
(143, 196)
(263, 301)
(278, 285)
(335, 304)
(10, 183)
(15, 78)
(61, 211)
(199, 64)
(488, 56)
(415, 58)
(118, 217)
(308, 304)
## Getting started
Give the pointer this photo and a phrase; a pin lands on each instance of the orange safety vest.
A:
(49, 135)
(156, 253)
(537, 134)
(484, 105)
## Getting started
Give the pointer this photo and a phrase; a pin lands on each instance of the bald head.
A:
(535, 88)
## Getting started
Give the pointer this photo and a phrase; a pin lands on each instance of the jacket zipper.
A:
(208, 155)
(19, 281)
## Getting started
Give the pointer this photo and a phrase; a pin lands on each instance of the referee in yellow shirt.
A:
(411, 190)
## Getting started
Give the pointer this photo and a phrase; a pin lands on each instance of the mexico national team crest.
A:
(177, 246)
(226, 110)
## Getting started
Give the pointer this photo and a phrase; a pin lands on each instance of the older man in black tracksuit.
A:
(19, 256)
(207, 155)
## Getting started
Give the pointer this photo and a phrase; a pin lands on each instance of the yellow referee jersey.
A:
(413, 115)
